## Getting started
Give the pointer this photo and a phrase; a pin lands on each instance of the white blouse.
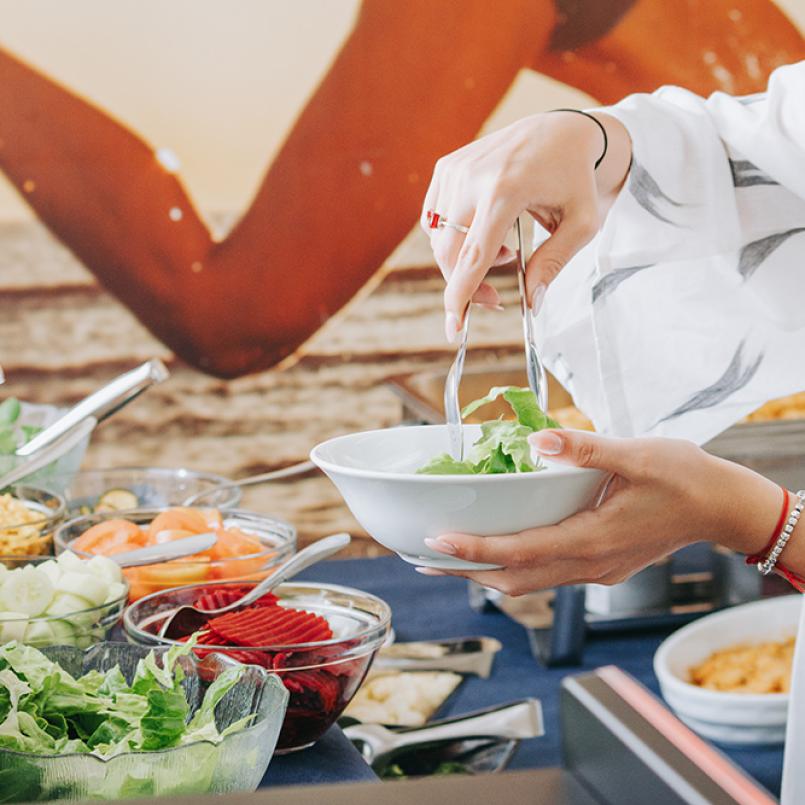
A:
(688, 310)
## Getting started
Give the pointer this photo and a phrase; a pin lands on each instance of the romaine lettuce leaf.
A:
(503, 445)
(44, 710)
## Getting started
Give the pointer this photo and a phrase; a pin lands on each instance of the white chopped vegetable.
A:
(51, 569)
(70, 561)
(105, 568)
(12, 626)
(39, 633)
(91, 589)
(115, 591)
(59, 601)
(27, 590)
(72, 605)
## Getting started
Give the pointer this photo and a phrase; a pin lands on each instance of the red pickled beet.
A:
(266, 626)
(217, 597)
(318, 692)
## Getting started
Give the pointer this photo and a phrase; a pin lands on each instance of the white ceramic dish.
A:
(730, 718)
(375, 471)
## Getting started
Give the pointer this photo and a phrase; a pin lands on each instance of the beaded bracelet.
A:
(767, 565)
(597, 123)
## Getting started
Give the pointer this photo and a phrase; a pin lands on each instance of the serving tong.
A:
(515, 721)
(523, 232)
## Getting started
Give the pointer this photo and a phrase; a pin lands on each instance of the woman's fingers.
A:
(574, 232)
(480, 250)
(624, 457)
(503, 550)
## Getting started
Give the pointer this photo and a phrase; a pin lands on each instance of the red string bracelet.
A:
(796, 581)
(756, 558)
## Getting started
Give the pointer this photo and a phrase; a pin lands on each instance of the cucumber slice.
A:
(63, 632)
(116, 590)
(12, 626)
(82, 585)
(116, 500)
(51, 569)
(39, 633)
(65, 604)
(104, 568)
(69, 561)
(27, 590)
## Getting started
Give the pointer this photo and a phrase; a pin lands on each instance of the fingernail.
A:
(440, 545)
(451, 327)
(537, 298)
(487, 306)
(429, 571)
(546, 442)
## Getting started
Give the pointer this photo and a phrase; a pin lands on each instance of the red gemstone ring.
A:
(437, 221)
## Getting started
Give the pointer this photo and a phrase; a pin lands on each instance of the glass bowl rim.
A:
(382, 626)
(119, 600)
(276, 526)
(51, 518)
(269, 675)
(163, 472)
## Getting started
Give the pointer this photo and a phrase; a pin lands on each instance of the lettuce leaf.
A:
(44, 710)
(503, 445)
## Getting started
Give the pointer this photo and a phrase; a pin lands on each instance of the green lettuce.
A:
(44, 710)
(503, 445)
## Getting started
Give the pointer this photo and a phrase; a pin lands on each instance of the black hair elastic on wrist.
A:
(597, 123)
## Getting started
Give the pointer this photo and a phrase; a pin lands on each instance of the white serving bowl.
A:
(730, 718)
(375, 471)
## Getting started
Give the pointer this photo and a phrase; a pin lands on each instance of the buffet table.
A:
(430, 608)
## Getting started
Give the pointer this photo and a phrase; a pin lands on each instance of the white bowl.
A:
(375, 471)
(731, 718)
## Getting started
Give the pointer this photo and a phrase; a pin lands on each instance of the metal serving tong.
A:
(523, 233)
(100, 404)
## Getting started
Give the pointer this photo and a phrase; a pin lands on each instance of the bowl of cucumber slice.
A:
(47, 601)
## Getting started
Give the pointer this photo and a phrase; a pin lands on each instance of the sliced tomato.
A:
(111, 536)
(179, 518)
(233, 542)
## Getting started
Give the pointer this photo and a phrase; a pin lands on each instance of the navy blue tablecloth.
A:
(428, 608)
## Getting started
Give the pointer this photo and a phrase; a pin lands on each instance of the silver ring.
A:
(442, 224)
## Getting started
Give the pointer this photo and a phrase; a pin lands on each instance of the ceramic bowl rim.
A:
(551, 471)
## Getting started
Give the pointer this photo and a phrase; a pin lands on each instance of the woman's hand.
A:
(663, 494)
(543, 164)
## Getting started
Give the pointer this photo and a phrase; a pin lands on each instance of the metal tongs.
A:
(524, 236)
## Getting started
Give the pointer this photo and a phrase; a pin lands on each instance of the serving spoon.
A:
(188, 619)
(165, 551)
(274, 475)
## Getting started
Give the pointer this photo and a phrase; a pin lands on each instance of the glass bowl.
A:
(32, 538)
(153, 487)
(321, 677)
(82, 628)
(278, 540)
(237, 763)
(56, 475)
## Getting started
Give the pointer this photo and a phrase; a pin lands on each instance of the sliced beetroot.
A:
(217, 597)
(265, 626)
